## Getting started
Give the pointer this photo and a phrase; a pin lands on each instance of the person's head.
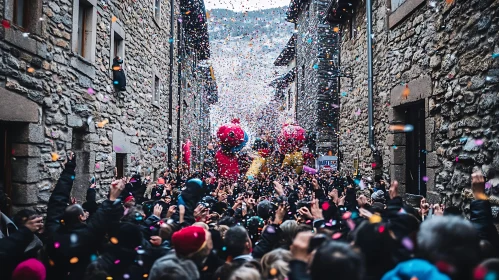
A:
(451, 243)
(134, 215)
(73, 214)
(289, 231)
(378, 246)
(245, 273)
(129, 236)
(170, 267)
(129, 201)
(193, 243)
(237, 241)
(275, 263)
(21, 217)
(338, 257)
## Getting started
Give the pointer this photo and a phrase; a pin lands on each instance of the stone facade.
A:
(62, 101)
(317, 86)
(440, 56)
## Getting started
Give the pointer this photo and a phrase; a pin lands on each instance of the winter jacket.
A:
(268, 241)
(71, 247)
(116, 262)
(91, 204)
(13, 245)
(481, 218)
(298, 270)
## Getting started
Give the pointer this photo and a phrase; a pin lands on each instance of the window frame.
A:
(397, 16)
(117, 29)
(87, 39)
(156, 88)
(157, 12)
(25, 14)
(32, 12)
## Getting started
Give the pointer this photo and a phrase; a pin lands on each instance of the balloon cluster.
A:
(232, 139)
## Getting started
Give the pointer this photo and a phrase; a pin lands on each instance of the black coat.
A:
(482, 220)
(115, 263)
(71, 247)
(12, 249)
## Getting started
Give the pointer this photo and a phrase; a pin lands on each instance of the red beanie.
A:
(31, 269)
(128, 198)
(189, 240)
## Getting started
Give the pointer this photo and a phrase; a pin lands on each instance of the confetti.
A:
(103, 123)
(425, 179)
(402, 128)
(336, 235)
(114, 240)
(375, 219)
(495, 55)
(57, 245)
(116, 261)
(114, 19)
(336, 29)
(74, 238)
(407, 243)
(31, 70)
(479, 142)
(406, 92)
(25, 35)
(55, 156)
(5, 23)
(73, 260)
(90, 91)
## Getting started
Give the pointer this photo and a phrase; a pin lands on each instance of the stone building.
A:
(285, 85)
(316, 73)
(57, 91)
(436, 74)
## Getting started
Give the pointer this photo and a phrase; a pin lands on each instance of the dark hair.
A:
(452, 240)
(23, 216)
(338, 257)
(235, 240)
(72, 214)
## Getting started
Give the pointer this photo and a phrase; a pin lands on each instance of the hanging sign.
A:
(327, 163)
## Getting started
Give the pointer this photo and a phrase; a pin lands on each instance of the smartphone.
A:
(92, 180)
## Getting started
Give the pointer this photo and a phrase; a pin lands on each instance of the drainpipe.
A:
(370, 76)
(170, 86)
(179, 88)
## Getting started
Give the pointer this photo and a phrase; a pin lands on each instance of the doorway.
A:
(416, 149)
(5, 168)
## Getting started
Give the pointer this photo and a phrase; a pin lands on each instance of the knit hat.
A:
(128, 198)
(161, 181)
(31, 269)
(415, 268)
(189, 240)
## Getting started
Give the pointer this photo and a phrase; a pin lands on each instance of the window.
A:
(157, 11)
(156, 90)
(118, 49)
(396, 3)
(21, 13)
(117, 43)
(84, 28)
(120, 165)
(401, 9)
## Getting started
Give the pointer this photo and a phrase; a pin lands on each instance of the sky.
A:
(245, 5)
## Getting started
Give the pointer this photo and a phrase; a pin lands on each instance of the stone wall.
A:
(74, 96)
(317, 86)
(441, 54)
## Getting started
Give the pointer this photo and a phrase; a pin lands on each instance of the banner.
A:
(329, 163)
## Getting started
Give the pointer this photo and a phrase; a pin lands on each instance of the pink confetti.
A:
(90, 91)
(358, 112)
(116, 261)
(337, 235)
(479, 142)
(351, 224)
(457, 158)
(407, 243)
(488, 185)
(425, 178)
(57, 245)
(97, 166)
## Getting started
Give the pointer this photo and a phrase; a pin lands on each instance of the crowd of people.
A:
(278, 225)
